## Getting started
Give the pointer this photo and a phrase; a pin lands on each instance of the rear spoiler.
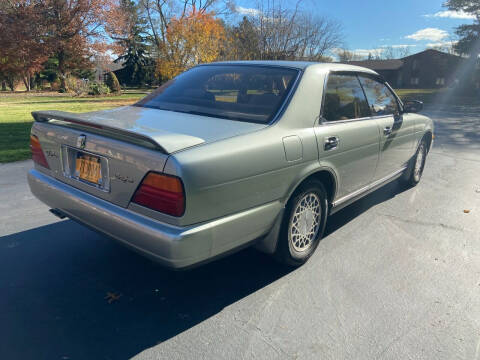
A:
(66, 119)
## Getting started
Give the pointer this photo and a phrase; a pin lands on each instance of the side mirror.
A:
(412, 106)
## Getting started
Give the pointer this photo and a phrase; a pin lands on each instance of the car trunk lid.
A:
(166, 131)
(127, 142)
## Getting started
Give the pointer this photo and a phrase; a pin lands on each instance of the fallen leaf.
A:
(466, 211)
(111, 297)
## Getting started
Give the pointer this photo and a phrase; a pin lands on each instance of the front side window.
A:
(235, 92)
(380, 99)
(344, 99)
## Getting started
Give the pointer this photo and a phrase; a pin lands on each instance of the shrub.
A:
(112, 82)
(96, 88)
(77, 86)
(55, 85)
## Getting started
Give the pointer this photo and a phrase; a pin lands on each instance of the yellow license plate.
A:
(88, 168)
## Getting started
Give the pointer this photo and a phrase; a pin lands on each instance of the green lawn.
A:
(440, 97)
(425, 95)
(16, 119)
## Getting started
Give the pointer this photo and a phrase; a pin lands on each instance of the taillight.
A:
(37, 152)
(163, 193)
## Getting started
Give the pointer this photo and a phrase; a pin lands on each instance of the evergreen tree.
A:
(112, 82)
(245, 41)
(138, 67)
(468, 44)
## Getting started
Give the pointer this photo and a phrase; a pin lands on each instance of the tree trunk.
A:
(11, 83)
(63, 83)
(62, 71)
(4, 85)
(26, 81)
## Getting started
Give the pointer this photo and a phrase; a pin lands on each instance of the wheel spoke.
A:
(304, 223)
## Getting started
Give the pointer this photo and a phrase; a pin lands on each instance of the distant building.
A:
(104, 66)
(428, 69)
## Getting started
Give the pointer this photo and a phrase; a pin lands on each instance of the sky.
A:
(376, 24)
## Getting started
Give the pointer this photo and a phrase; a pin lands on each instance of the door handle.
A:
(331, 143)
(387, 131)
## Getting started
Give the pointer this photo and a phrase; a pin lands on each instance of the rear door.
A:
(396, 131)
(347, 136)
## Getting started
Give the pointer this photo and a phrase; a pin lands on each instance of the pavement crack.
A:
(423, 223)
(441, 153)
(262, 337)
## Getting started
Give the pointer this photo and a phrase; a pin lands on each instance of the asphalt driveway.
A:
(397, 277)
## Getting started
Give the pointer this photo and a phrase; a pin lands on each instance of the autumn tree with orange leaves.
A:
(78, 28)
(70, 30)
(23, 39)
(190, 40)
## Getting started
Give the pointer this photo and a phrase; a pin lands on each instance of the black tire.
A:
(289, 246)
(415, 168)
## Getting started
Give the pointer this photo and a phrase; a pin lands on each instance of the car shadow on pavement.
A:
(350, 212)
(70, 293)
(456, 127)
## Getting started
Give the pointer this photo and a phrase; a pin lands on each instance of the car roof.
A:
(301, 65)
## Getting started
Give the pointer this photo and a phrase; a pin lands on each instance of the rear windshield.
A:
(236, 92)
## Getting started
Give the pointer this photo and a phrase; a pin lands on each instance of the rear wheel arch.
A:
(329, 181)
(326, 177)
(298, 236)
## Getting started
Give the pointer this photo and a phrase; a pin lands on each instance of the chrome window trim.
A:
(387, 85)
(330, 123)
(323, 121)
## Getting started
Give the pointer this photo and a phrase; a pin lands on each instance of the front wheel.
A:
(303, 224)
(414, 171)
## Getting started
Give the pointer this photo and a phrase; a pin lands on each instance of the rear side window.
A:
(236, 92)
(344, 99)
(380, 98)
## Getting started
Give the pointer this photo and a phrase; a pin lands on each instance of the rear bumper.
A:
(172, 246)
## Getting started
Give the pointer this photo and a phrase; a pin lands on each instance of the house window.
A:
(414, 81)
(440, 81)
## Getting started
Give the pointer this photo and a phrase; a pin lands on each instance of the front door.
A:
(396, 131)
(347, 137)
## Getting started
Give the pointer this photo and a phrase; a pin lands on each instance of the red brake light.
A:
(37, 152)
(163, 193)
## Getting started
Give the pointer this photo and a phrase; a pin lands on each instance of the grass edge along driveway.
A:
(16, 119)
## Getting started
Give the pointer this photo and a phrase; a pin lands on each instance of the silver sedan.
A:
(228, 155)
